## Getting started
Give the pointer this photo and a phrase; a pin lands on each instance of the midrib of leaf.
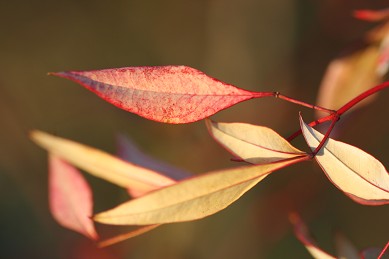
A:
(154, 92)
(345, 165)
(256, 145)
(199, 196)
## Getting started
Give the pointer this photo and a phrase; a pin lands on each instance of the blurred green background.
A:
(281, 45)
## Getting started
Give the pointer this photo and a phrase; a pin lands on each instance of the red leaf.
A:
(170, 94)
(70, 198)
(372, 15)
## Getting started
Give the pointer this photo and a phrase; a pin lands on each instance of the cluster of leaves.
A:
(179, 94)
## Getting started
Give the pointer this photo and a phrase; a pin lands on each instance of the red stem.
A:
(383, 251)
(312, 124)
(315, 107)
(361, 97)
(344, 108)
(326, 136)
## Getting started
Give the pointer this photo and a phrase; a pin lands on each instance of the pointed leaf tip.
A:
(169, 94)
(361, 176)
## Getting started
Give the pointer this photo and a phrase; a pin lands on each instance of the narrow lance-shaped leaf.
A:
(252, 143)
(70, 198)
(190, 199)
(102, 165)
(362, 177)
(170, 94)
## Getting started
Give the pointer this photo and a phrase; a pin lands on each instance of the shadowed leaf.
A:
(362, 177)
(70, 198)
(128, 151)
(345, 249)
(170, 94)
(302, 233)
(190, 199)
(253, 144)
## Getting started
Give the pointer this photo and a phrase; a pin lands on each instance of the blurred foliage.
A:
(258, 45)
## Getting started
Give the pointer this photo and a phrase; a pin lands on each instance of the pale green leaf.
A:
(352, 170)
(190, 199)
(252, 143)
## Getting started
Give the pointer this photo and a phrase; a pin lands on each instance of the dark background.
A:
(281, 45)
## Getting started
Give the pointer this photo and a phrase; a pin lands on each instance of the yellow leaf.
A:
(352, 170)
(190, 199)
(254, 144)
(101, 164)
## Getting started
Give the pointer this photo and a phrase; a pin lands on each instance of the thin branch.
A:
(383, 250)
(314, 107)
(326, 136)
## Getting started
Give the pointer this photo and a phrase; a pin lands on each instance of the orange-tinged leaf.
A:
(348, 76)
(190, 199)
(170, 94)
(102, 165)
(70, 198)
(252, 143)
(359, 70)
(362, 177)
(302, 233)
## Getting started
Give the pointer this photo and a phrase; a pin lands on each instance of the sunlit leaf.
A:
(252, 143)
(128, 151)
(170, 94)
(70, 198)
(102, 165)
(190, 199)
(302, 233)
(362, 177)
